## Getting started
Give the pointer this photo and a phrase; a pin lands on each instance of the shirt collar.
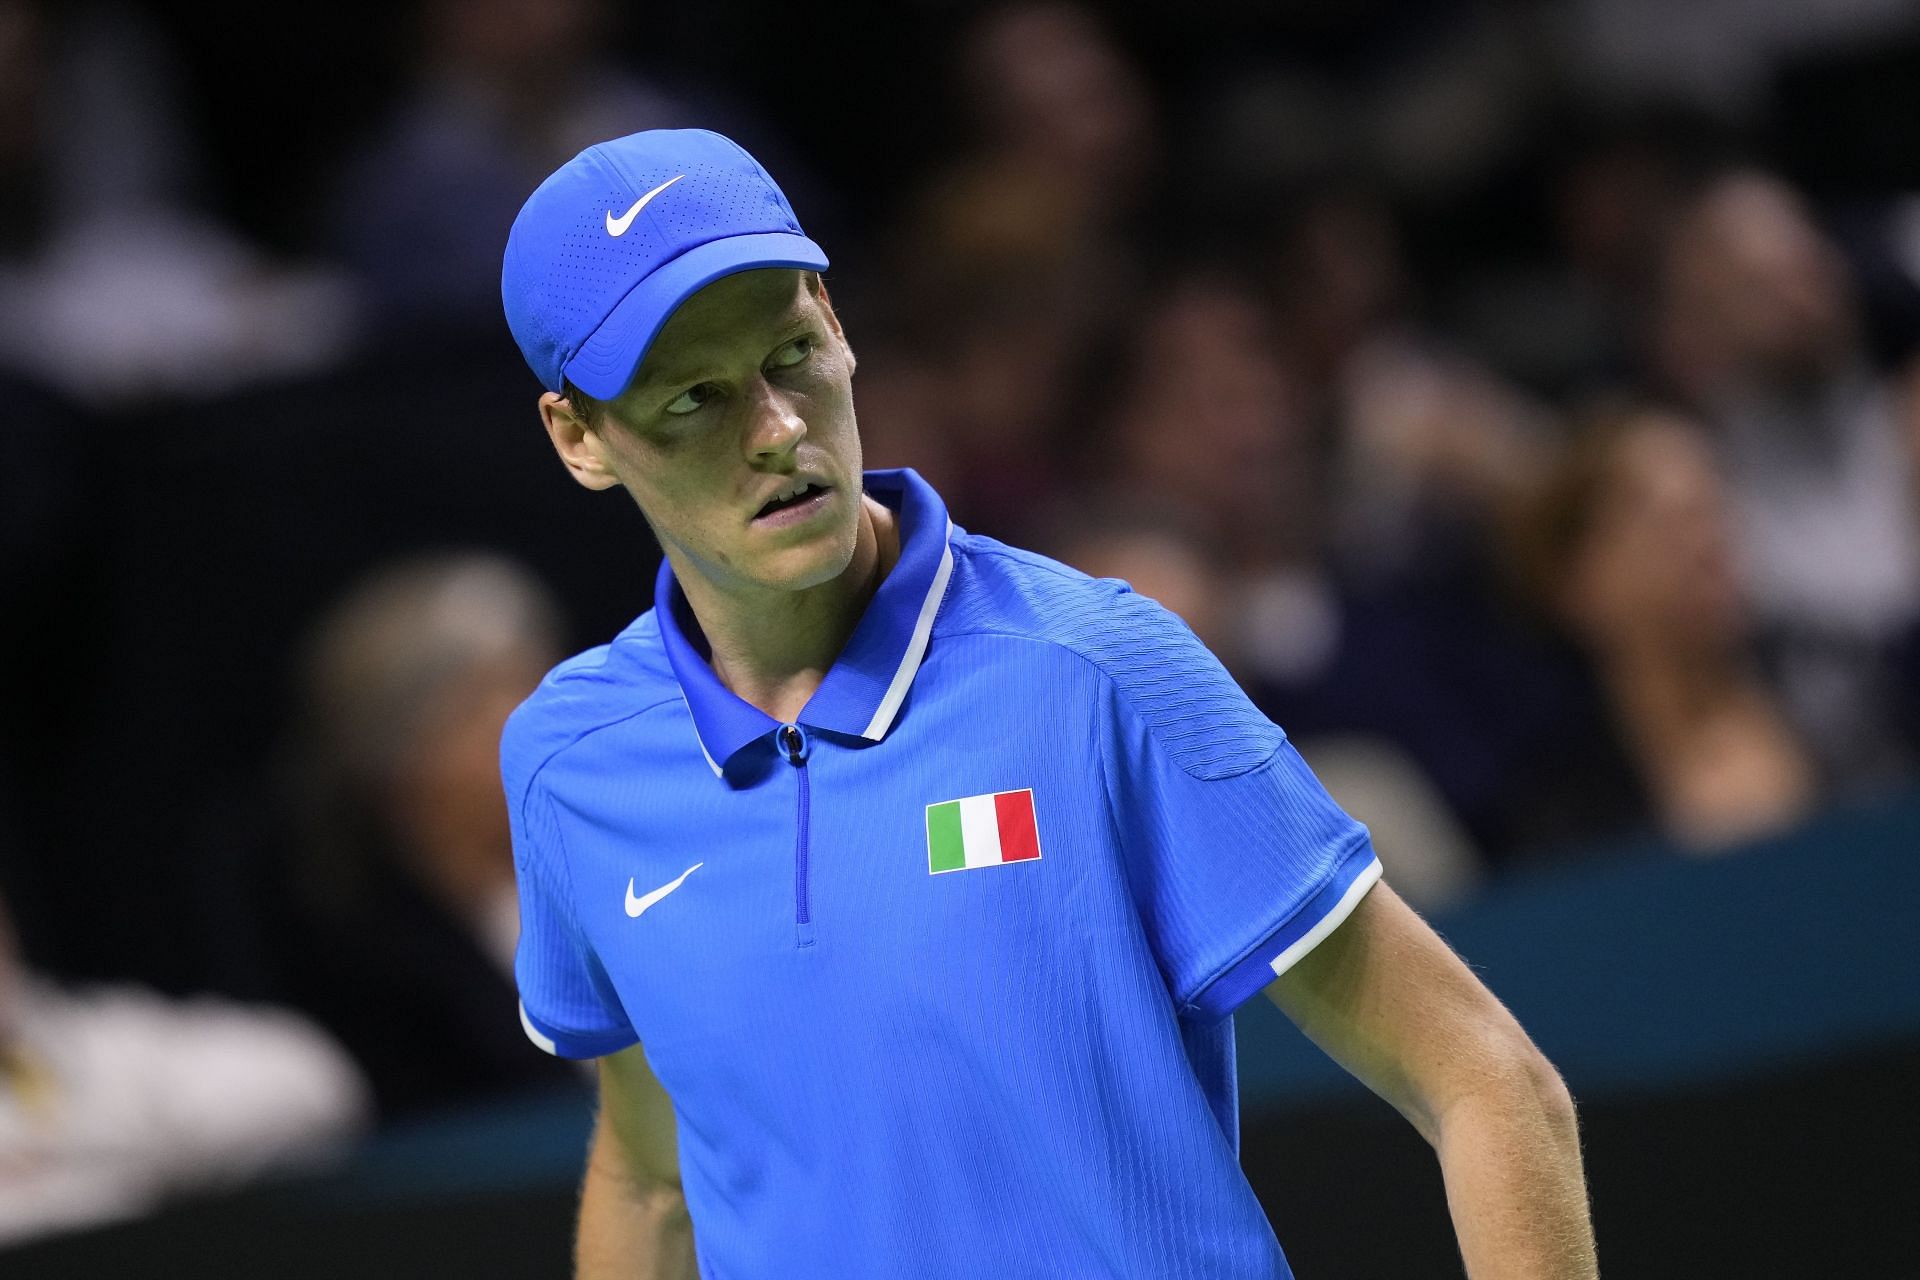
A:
(868, 682)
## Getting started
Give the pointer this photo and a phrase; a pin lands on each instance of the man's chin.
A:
(818, 561)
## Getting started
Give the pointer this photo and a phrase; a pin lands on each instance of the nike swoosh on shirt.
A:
(618, 226)
(636, 905)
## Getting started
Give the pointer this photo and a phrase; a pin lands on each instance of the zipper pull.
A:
(793, 742)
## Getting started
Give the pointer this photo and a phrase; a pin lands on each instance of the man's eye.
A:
(690, 399)
(792, 353)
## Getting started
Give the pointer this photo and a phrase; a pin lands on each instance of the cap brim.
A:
(607, 361)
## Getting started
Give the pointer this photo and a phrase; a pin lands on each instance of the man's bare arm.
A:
(1392, 1003)
(633, 1217)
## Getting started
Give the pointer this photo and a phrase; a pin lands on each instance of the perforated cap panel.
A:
(612, 230)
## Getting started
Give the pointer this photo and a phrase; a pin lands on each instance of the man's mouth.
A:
(807, 496)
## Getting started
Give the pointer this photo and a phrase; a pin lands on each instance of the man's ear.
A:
(577, 443)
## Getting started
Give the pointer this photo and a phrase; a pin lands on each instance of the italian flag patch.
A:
(981, 831)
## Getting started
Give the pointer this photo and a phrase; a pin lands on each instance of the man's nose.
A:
(775, 426)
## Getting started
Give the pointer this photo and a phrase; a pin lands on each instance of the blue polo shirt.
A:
(905, 1036)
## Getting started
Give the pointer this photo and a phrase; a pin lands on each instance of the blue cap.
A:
(623, 233)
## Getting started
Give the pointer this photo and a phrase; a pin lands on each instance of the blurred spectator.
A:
(506, 90)
(113, 1099)
(1566, 318)
(406, 860)
(1209, 419)
(1759, 331)
(979, 396)
(1338, 276)
(1422, 444)
(114, 286)
(1064, 145)
(1627, 547)
(1015, 261)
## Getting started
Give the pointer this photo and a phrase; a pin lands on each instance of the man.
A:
(901, 881)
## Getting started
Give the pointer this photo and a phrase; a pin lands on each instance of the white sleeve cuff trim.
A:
(1329, 922)
(533, 1032)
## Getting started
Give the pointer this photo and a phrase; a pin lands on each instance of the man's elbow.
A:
(631, 1159)
(1555, 1100)
(1508, 1075)
(652, 1195)
(1529, 1082)
(664, 1203)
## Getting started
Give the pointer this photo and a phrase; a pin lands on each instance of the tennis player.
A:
(901, 881)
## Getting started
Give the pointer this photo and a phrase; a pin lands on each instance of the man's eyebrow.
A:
(689, 371)
(660, 380)
(693, 371)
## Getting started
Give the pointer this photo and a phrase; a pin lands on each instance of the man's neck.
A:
(772, 649)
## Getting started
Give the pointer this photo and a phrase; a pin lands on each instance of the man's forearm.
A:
(630, 1231)
(1510, 1153)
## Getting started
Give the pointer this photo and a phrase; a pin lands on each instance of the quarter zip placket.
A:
(793, 745)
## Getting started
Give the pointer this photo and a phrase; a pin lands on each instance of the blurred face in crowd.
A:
(1045, 76)
(1340, 274)
(1611, 207)
(444, 796)
(744, 398)
(408, 682)
(1211, 421)
(1754, 289)
(1655, 565)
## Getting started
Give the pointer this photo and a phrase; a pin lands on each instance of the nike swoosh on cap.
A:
(636, 905)
(618, 226)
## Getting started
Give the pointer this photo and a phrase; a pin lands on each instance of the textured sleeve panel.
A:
(568, 1005)
(1170, 680)
(1174, 685)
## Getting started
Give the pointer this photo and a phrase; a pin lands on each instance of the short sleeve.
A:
(567, 1003)
(1238, 860)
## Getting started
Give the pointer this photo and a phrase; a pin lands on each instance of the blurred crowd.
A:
(1520, 398)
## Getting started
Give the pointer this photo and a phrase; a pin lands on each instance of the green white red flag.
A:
(981, 831)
